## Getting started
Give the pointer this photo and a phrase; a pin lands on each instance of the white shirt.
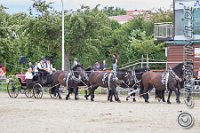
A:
(39, 65)
(28, 75)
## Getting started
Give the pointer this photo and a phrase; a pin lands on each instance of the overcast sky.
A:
(23, 5)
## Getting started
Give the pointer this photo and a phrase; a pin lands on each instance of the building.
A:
(183, 31)
(121, 18)
(131, 14)
(175, 53)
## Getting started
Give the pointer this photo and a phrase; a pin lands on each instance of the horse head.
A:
(179, 70)
(139, 72)
(79, 72)
(125, 76)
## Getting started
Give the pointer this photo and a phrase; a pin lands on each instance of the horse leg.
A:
(133, 95)
(169, 95)
(92, 92)
(86, 94)
(163, 96)
(143, 91)
(68, 93)
(146, 97)
(58, 92)
(115, 93)
(109, 95)
(117, 97)
(135, 88)
(177, 92)
(76, 93)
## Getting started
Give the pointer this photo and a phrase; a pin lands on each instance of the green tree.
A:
(86, 31)
(114, 11)
(144, 44)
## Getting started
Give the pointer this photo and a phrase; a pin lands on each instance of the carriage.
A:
(17, 85)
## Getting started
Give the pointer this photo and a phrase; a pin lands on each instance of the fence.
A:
(141, 63)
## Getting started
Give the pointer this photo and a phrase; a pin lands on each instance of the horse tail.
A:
(141, 88)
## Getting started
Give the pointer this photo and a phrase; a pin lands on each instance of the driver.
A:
(43, 68)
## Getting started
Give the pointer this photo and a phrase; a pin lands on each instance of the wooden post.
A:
(142, 59)
(147, 61)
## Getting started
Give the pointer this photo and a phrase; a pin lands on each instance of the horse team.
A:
(142, 78)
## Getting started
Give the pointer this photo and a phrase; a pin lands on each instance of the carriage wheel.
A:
(53, 94)
(12, 89)
(29, 93)
(37, 91)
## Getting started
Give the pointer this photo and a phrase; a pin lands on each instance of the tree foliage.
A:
(113, 11)
(89, 35)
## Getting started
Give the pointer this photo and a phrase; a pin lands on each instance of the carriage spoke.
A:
(12, 89)
(29, 93)
(37, 91)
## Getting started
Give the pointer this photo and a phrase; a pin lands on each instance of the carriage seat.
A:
(22, 79)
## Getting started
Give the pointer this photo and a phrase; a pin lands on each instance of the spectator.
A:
(50, 67)
(42, 65)
(2, 71)
(104, 65)
(42, 69)
(35, 69)
(31, 66)
(75, 63)
(114, 62)
(29, 78)
(96, 66)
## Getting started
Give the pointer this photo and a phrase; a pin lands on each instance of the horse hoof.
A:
(86, 97)
(76, 98)
(127, 99)
(118, 101)
(178, 102)
(164, 101)
(147, 101)
(66, 98)
(60, 97)
(134, 100)
(159, 99)
(168, 102)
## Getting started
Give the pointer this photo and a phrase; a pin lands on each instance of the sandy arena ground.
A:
(23, 115)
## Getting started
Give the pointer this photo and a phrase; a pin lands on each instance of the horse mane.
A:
(122, 71)
(75, 67)
(178, 66)
(141, 69)
(89, 69)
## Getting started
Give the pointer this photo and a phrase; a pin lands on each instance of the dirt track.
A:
(47, 115)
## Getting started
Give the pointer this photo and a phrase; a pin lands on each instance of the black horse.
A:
(69, 79)
(103, 79)
(151, 79)
(129, 79)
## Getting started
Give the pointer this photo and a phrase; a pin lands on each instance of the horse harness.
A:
(109, 75)
(165, 77)
(71, 76)
(135, 78)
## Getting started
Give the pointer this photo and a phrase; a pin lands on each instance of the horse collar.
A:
(134, 76)
(175, 76)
